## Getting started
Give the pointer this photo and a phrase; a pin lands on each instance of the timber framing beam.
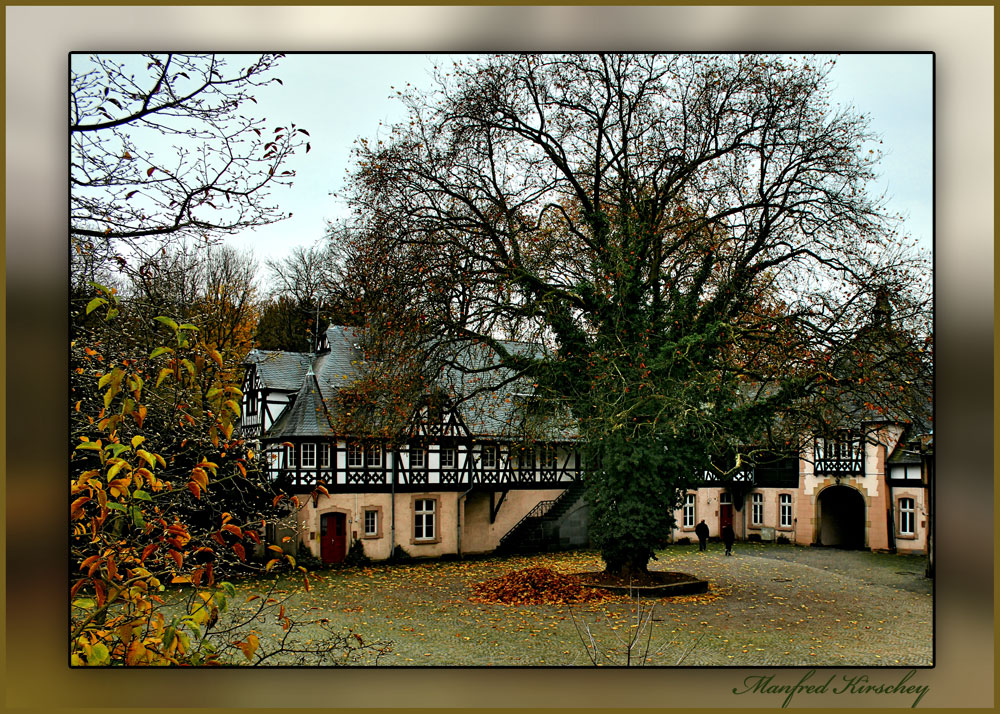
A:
(496, 503)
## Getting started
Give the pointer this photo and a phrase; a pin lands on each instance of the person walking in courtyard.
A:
(701, 530)
(728, 536)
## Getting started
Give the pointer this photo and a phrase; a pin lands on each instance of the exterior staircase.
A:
(539, 530)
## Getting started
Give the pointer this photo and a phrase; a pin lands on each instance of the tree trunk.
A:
(628, 567)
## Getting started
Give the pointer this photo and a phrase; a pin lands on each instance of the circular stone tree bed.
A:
(543, 586)
(655, 583)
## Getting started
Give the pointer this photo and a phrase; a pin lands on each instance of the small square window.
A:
(448, 458)
(418, 457)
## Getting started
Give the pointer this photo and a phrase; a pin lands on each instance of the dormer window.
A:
(908, 472)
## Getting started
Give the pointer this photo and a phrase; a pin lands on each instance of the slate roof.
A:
(307, 415)
(283, 371)
(316, 379)
(339, 366)
(904, 455)
(497, 412)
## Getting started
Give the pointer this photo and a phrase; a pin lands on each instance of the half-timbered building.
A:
(460, 479)
(869, 486)
(464, 479)
(864, 488)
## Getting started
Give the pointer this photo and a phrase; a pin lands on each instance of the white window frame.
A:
(757, 509)
(355, 456)
(784, 510)
(424, 519)
(488, 457)
(373, 455)
(907, 516)
(418, 457)
(373, 530)
(688, 510)
(290, 457)
(448, 451)
(324, 456)
(308, 455)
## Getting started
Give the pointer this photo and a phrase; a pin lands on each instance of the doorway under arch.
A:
(842, 517)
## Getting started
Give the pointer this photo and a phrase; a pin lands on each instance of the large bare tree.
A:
(691, 237)
(163, 148)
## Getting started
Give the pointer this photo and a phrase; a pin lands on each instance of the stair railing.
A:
(539, 511)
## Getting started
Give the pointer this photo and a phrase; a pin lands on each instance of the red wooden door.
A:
(333, 537)
(725, 515)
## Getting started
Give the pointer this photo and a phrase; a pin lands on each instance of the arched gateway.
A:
(842, 517)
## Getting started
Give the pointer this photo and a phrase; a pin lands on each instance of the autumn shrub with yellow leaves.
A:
(155, 457)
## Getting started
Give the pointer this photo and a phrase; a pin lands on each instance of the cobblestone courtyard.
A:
(767, 605)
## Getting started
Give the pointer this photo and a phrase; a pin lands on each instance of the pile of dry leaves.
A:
(535, 586)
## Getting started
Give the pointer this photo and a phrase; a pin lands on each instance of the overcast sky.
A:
(340, 97)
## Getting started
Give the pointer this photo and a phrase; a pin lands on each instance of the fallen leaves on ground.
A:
(759, 610)
(535, 586)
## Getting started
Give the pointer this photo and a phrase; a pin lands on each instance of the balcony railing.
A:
(840, 457)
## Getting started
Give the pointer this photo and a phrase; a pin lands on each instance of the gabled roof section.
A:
(306, 416)
(903, 455)
(282, 371)
(912, 447)
(338, 365)
(496, 399)
(491, 401)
